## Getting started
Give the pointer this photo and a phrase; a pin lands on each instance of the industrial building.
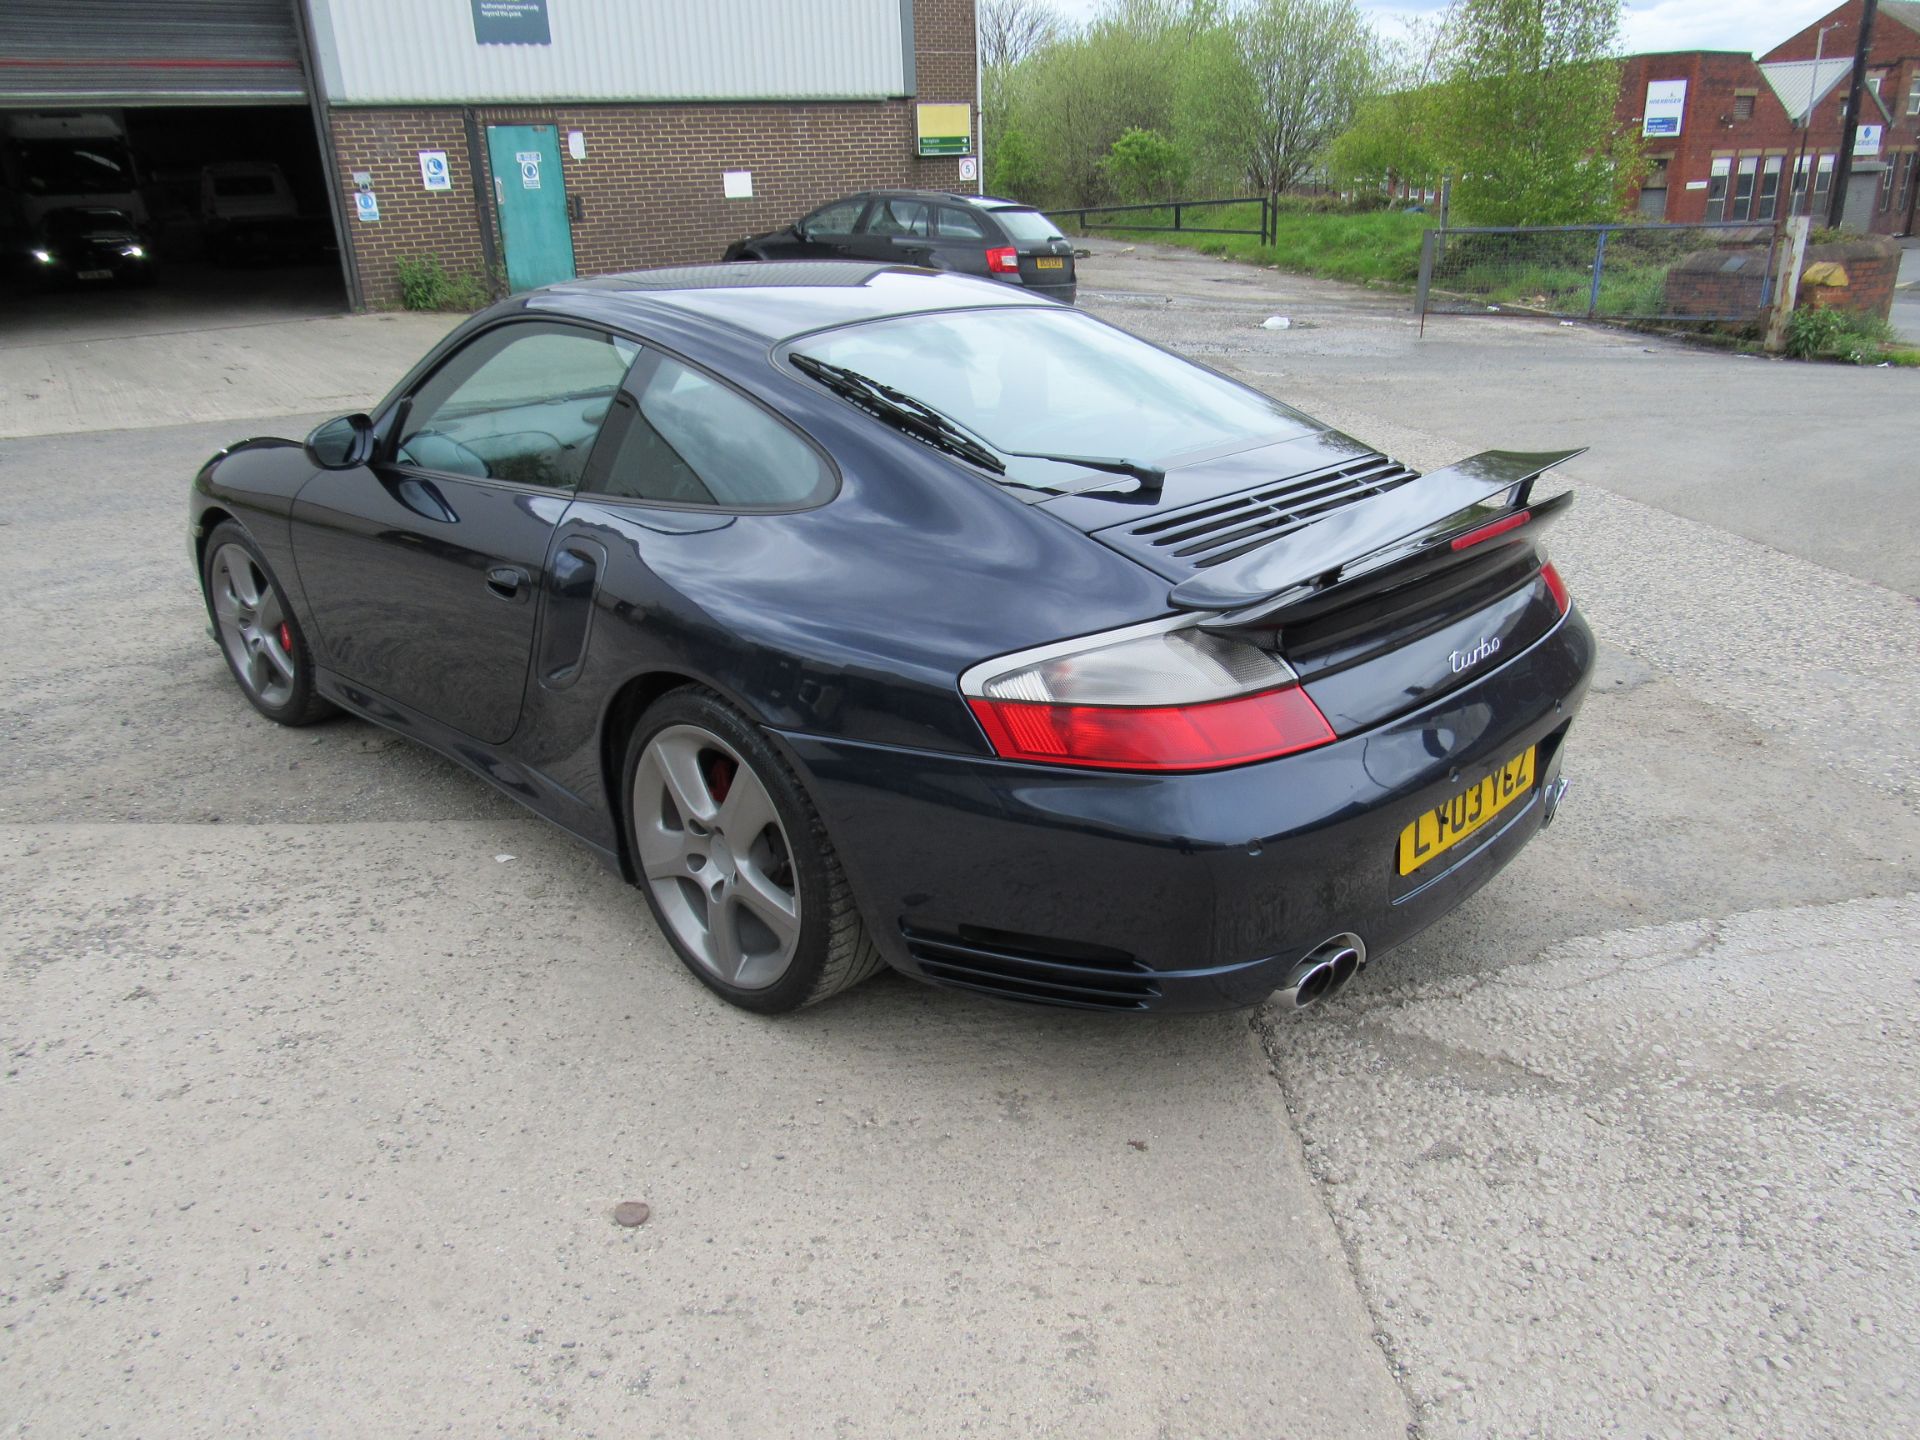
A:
(1724, 135)
(518, 141)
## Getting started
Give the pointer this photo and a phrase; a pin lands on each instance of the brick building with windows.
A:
(1723, 144)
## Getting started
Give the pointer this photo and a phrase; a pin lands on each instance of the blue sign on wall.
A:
(511, 22)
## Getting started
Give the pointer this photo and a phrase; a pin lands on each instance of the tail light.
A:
(1163, 696)
(1003, 261)
(1556, 587)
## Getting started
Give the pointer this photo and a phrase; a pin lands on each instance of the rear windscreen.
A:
(1027, 225)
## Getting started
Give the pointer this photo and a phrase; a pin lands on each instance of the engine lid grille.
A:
(1216, 531)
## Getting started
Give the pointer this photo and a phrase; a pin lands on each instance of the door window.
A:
(679, 438)
(898, 217)
(835, 221)
(959, 225)
(520, 403)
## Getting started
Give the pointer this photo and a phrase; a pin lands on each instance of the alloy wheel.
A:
(716, 856)
(253, 625)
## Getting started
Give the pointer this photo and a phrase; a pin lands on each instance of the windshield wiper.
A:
(920, 419)
(1151, 477)
(902, 411)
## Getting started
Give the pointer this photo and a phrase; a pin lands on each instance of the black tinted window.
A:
(520, 402)
(1027, 225)
(898, 217)
(835, 219)
(959, 225)
(688, 440)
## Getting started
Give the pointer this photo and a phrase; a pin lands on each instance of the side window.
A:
(520, 403)
(837, 219)
(959, 225)
(898, 217)
(678, 438)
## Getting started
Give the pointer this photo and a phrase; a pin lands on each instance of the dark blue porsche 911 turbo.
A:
(869, 616)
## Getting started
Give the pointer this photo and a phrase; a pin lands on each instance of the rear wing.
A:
(1428, 524)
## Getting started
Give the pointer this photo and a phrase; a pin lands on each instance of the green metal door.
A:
(532, 199)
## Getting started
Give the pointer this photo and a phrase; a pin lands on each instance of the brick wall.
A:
(1871, 265)
(650, 183)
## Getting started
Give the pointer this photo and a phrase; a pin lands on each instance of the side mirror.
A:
(801, 232)
(341, 444)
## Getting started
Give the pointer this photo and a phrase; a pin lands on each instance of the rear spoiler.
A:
(1381, 541)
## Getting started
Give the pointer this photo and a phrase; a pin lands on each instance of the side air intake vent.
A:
(1033, 970)
(1222, 530)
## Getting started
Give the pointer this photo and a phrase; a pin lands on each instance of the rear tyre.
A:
(262, 641)
(735, 861)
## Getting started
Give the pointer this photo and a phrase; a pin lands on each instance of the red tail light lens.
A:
(1156, 737)
(1556, 587)
(1160, 696)
(1488, 531)
(1004, 261)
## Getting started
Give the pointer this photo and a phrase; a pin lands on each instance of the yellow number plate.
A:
(1445, 826)
(1053, 264)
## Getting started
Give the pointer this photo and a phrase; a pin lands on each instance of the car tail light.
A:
(1164, 696)
(1003, 261)
(1556, 587)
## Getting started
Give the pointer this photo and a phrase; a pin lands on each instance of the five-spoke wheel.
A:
(735, 861)
(258, 632)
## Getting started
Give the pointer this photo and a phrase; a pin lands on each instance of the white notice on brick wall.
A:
(737, 184)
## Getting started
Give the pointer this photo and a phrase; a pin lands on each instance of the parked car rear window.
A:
(1027, 225)
(687, 440)
(959, 225)
(1050, 379)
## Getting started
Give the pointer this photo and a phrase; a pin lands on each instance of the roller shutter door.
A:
(77, 53)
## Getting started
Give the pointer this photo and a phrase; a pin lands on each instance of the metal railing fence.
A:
(1709, 272)
(1179, 209)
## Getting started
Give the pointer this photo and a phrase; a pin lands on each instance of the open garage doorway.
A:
(226, 203)
(160, 168)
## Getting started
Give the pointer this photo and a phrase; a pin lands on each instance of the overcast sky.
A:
(1752, 25)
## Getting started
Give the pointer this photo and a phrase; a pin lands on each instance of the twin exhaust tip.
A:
(1323, 972)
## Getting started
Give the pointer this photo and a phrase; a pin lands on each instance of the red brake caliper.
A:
(720, 777)
(286, 638)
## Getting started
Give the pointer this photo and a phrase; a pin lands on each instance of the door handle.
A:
(509, 582)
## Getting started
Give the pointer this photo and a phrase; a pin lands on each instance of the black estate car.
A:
(966, 234)
(862, 615)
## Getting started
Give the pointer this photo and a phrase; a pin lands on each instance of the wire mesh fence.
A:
(1717, 272)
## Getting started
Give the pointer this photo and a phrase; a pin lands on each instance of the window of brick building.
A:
(1886, 189)
(1906, 179)
(1742, 207)
(1822, 183)
(1717, 189)
(1769, 188)
(1913, 94)
(1743, 106)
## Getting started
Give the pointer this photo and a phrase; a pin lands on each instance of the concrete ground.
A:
(325, 1066)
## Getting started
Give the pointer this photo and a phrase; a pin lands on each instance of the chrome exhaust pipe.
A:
(1323, 972)
(1553, 795)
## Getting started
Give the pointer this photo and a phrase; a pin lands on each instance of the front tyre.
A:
(735, 861)
(258, 633)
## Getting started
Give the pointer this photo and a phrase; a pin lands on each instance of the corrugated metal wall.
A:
(423, 51)
(135, 52)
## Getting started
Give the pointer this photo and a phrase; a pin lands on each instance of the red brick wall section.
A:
(650, 183)
(1872, 267)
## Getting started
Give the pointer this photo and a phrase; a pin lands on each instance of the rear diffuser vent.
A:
(1222, 530)
(1034, 970)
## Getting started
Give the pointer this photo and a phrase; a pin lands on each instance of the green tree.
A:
(1525, 119)
(1012, 168)
(1264, 90)
(1145, 165)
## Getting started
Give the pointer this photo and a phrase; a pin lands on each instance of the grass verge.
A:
(1380, 248)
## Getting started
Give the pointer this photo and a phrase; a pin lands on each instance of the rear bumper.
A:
(1182, 892)
(1063, 292)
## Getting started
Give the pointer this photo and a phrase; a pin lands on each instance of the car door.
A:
(826, 234)
(898, 229)
(422, 570)
(962, 241)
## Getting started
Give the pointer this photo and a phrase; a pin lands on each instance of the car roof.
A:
(984, 202)
(773, 300)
